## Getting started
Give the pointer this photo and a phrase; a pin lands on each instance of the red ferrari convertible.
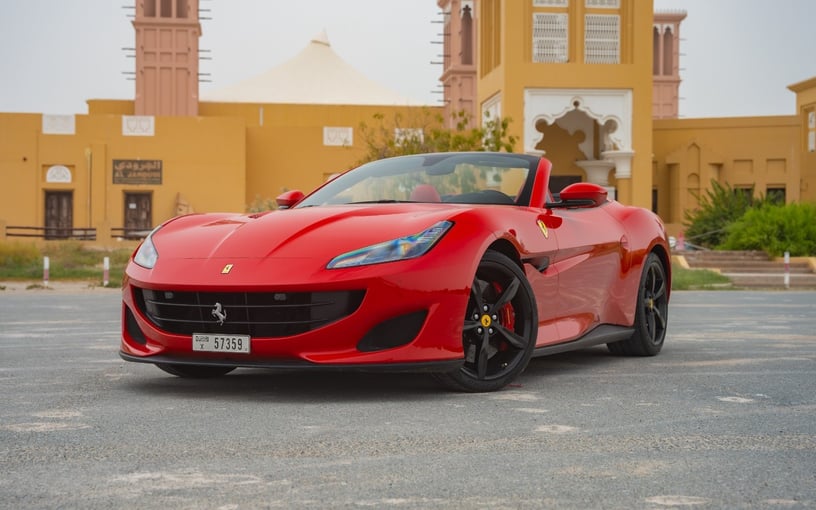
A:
(460, 264)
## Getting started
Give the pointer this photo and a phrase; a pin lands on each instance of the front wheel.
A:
(195, 371)
(500, 327)
(651, 316)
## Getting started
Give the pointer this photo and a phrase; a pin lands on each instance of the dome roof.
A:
(316, 75)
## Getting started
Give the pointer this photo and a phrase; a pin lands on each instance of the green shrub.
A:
(261, 204)
(18, 254)
(718, 207)
(775, 229)
(70, 254)
(68, 260)
(381, 140)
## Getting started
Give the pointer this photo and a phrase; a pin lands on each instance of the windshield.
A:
(467, 178)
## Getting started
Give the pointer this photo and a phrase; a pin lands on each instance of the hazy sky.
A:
(738, 58)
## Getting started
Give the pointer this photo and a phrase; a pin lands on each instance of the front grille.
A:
(258, 314)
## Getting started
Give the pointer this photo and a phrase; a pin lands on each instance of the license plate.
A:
(208, 342)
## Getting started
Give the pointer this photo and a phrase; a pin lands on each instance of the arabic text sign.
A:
(137, 171)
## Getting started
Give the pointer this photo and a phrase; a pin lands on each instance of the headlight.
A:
(146, 256)
(404, 248)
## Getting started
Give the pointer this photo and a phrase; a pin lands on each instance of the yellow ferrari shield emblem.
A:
(226, 269)
(486, 321)
(543, 228)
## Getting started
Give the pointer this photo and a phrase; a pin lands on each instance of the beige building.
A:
(592, 84)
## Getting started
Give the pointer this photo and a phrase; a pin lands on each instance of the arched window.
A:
(150, 8)
(467, 36)
(655, 51)
(668, 53)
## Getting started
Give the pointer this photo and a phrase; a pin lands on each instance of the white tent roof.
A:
(316, 75)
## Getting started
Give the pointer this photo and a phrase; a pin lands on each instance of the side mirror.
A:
(289, 199)
(581, 194)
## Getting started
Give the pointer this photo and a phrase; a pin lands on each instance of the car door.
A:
(587, 265)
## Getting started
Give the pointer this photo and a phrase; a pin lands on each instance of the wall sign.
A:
(811, 131)
(58, 174)
(338, 136)
(137, 171)
(58, 124)
(138, 125)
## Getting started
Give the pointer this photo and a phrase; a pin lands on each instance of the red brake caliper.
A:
(506, 316)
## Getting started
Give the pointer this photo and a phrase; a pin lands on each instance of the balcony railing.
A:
(129, 232)
(80, 234)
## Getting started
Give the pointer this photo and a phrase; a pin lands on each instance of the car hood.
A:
(322, 232)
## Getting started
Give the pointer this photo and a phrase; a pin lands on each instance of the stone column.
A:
(597, 172)
(623, 172)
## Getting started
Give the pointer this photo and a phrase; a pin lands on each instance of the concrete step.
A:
(769, 267)
(724, 255)
(753, 269)
(768, 281)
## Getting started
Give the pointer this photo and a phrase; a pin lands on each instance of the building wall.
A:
(760, 153)
(19, 164)
(806, 113)
(203, 159)
(508, 74)
(292, 146)
(226, 159)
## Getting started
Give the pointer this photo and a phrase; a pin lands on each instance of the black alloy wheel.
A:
(652, 314)
(500, 327)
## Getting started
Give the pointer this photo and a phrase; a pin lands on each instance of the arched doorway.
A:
(584, 132)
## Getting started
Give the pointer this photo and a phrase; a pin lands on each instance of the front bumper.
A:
(415, 367)
(428, 303)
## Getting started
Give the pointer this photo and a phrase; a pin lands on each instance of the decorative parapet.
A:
(338, 136)
(611, 108)
(58, 124)
(138, 125)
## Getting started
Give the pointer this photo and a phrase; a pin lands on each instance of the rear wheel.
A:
(652, 313)
(195, 371)
(500, 327)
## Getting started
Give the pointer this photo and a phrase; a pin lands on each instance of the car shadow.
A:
(573, 361)
(314, 386)
(290, 386)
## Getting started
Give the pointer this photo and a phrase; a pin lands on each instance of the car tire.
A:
(651, 316)
(195, 371)
(500, 327)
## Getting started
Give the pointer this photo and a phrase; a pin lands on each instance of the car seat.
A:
(425, 193)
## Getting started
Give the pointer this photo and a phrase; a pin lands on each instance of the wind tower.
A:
(666, 64)
(459, 59)
(167, 34)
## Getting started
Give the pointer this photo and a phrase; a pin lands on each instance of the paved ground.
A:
(725, 417)
(69, 286)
